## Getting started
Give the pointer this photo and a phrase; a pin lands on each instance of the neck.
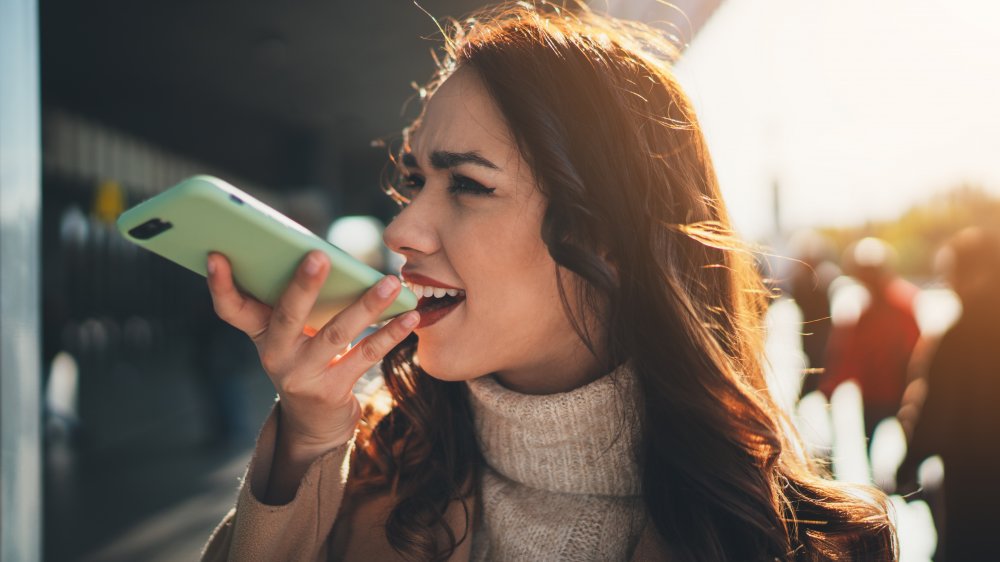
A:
(552, 374)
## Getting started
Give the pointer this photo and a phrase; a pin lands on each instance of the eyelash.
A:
(459, 185)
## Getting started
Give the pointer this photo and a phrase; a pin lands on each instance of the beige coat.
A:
(308, 528)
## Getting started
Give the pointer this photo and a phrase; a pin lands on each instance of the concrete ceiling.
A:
(284, 93)
(254, 86)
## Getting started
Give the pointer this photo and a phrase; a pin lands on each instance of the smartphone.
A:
(205, 214)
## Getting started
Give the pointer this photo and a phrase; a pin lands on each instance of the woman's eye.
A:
(410, 185)
(462, 184)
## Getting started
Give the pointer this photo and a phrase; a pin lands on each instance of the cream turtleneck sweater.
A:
(562, 481)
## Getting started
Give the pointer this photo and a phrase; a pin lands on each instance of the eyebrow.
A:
(442, 160)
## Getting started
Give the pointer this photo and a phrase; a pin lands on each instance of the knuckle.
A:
(304, 282)
(289, 386)
(371, 303)
(399, 331)
(370, 351)
(221, 310)
(270, 361)
(282, 317)
(335, 335)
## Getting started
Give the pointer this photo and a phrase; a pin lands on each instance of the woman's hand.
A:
(313, 374)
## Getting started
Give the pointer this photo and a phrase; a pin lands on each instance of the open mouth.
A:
(427, 304)
(435, 302)
(433, 309)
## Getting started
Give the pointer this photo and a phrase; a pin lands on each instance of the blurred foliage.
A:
(919, 232)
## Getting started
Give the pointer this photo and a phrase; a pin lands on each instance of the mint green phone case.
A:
(206, 214)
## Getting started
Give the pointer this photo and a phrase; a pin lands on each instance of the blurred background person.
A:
(960, 393)
(875, 350)
(809, 286)
(221, 357)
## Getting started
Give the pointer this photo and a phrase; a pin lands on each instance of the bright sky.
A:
(857, 108)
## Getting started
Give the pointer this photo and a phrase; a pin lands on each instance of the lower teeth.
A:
(435, 303)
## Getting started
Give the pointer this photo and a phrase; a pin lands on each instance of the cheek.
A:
(514, 298)
(517, 293)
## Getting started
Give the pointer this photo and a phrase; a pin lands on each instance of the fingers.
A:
(243, 313)
(343, 328)
(292, 309)
(285, 324)
(373, 348)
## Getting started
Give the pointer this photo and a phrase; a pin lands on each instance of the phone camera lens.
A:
(149, 229)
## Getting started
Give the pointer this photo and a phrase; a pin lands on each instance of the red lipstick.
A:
(430, 313)
(433, 309)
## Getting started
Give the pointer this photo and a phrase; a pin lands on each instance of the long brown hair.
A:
(634, 212)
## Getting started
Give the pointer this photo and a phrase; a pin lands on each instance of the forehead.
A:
(462, 116)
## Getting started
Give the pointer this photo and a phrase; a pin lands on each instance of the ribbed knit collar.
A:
(581, 442)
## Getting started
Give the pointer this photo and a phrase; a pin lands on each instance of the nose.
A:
(412, 232)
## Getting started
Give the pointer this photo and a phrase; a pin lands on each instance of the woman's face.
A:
(474, 224)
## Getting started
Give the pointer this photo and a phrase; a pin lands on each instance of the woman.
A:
(584, 377)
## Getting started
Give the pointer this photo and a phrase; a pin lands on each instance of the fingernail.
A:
(211, 266)
(313, 263)
(410, 319)
(386, 286)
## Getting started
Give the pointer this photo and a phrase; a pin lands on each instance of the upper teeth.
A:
(437, 292)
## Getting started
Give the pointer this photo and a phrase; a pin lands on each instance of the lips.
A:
(433, 310)
(437, 299)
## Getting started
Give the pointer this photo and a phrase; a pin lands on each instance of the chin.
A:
(442, 365)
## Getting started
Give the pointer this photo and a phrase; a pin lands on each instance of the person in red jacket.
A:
(875, 350)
